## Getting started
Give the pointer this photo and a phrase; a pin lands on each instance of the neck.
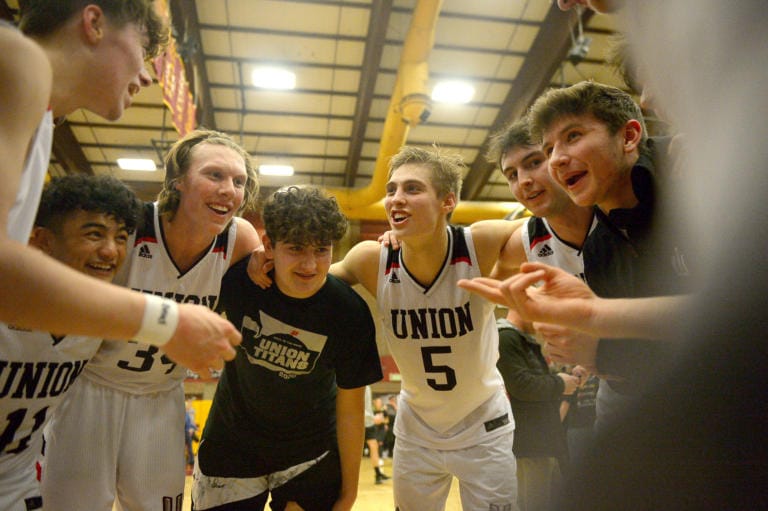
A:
(185, 243)
(572, 225)
(424, 256)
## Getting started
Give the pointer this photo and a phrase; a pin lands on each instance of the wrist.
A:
(159, 322)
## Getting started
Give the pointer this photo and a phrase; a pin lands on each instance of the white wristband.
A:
(161, 316)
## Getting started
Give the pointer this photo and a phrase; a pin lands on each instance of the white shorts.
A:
(104, 444)
(19, 490)
(486, 472)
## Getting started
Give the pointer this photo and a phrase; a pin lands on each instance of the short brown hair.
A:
(43, 17)
(609, 105)
(446, 168)
(515, 134)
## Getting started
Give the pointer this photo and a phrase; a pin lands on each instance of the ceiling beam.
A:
(68, 152)
(378, 21)
(547, 52)
(186, 27)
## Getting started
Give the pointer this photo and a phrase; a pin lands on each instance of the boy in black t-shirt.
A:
(287, 417)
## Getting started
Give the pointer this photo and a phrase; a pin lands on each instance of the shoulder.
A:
(360, 265)
(490, 238)
(246, 240)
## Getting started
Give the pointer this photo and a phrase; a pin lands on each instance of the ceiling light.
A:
(273, 78)
(141, 164)
(453, 91)
(276, 170)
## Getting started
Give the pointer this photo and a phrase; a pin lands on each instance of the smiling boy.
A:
(287, 418)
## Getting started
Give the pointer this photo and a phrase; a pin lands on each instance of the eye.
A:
(94, 235)
(547, 150)
(511, 175)
(240, 182)
(322, 250)
(572, 135)
(391, 189)
(534, 163)
(122, 238)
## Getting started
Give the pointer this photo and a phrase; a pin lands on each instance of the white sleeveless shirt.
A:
(21, 217)
(445, 343)
(542, 245)
(140, 368)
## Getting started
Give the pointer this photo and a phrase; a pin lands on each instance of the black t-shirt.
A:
(275, 402)
(628, 255)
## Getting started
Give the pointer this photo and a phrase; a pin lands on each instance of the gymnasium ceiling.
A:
(346, 55)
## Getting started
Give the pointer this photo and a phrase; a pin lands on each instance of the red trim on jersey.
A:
(145, 239)
(539, 239)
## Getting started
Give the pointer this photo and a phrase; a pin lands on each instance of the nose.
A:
(308, 262)
(108, 249)
(227, 187)
(144, 79)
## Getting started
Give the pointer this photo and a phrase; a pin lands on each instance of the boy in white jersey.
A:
(84, 222)
(190, 237)
(454, 418)
(80, 55)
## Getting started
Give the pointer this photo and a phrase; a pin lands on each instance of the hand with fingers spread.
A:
(203, 340)
(540, 293)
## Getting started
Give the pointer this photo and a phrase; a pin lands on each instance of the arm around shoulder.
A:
(360, 266)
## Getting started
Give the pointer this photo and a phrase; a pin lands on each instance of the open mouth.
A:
(573, 179)
(101, 269)
(398, 218)
(220, 210)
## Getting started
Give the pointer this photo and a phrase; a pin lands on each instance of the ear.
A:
(633, 135)
(42, 238)
(93, 23)
(268, 248)
(449, 202)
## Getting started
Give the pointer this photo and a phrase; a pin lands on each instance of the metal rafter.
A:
(374, 45)
(547, 52)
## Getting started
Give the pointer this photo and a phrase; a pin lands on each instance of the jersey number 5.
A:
(449, 375)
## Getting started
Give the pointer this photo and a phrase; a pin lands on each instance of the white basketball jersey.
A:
(542, 245)
(24, 209)
(36, 369)
(140, 368)
(443, 338)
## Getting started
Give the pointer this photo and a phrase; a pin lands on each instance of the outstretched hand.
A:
(203, 340)
(540, 293)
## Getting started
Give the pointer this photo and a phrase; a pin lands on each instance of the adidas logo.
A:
(144, 252)
(393, 278)
(545, 251)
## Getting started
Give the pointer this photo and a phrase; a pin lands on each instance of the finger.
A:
(216, 365)
(204, 373)
(491, 293)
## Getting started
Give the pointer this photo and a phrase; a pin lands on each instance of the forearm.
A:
(73, 303)
(653, 318)
(350, 432)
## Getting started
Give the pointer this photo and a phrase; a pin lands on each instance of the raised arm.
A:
(564, 299)
(493, 245)
(42, 294)
(360, 266)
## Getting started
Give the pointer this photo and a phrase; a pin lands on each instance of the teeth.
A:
(220, 209)
(104, 267)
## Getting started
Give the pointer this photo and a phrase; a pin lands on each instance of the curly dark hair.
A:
(101, 194)
(303, 215)
(42, 17)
